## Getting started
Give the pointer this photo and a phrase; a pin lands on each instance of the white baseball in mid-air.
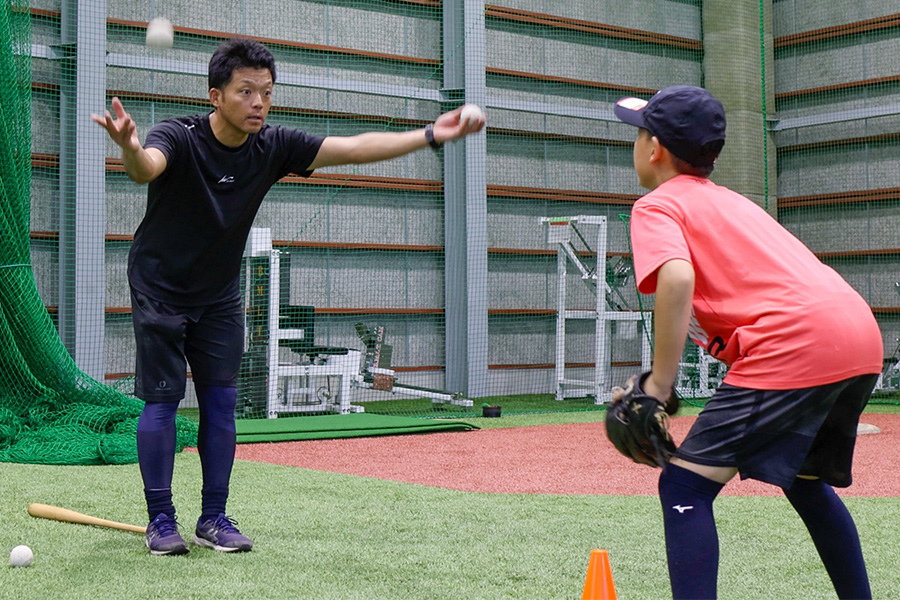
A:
(160, 33)
(21, 556)
(470, 114)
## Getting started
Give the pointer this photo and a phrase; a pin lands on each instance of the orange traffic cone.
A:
(598, 585)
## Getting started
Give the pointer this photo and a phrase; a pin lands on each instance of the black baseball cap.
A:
(686, 119)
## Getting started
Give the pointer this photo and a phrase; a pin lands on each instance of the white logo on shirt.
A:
(681, 508)
(227, 179)
(189, 126)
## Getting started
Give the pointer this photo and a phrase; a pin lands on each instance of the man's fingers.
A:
(120, 129)
(117, 106)
(106, 122)
(452, 127)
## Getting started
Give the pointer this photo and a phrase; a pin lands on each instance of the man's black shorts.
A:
(775, 435)
(208, 338)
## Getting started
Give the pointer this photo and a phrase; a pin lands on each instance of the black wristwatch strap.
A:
(429, 137)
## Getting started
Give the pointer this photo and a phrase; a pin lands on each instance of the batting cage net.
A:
(494, 270)
(50, 410)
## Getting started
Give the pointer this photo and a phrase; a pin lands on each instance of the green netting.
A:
(50, 412)
(445, 253)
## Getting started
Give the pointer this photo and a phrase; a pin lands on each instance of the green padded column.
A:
(736, 73)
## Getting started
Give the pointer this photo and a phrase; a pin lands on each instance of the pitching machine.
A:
(282, 359)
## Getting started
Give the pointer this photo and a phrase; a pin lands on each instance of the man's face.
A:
(245, 101)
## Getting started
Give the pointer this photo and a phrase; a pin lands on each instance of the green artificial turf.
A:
(330, 536)
(319, 427)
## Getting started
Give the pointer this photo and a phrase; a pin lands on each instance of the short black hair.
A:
(238, 53)
(686, 168)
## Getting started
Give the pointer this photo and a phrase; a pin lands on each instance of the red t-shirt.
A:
(763, 303)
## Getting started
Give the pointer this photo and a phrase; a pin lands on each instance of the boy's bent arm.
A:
(672, 315)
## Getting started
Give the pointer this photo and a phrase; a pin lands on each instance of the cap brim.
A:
(631, 110)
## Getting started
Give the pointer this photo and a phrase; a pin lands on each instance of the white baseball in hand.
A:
(470, 114)
(160, 33)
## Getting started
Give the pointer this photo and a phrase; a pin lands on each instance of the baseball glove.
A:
(638, 426)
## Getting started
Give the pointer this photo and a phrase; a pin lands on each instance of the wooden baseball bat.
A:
(45, 511)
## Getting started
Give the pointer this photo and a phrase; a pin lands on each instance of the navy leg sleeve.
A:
(834, 534)
(692, 543)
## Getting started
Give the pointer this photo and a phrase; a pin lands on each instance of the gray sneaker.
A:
(222, 535)
(163, 537)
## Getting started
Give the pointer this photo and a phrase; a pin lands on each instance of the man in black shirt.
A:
(208, 175)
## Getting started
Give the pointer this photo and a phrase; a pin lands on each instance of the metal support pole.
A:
(82, 226)
(561, 263)
(601, 338)
(465, 206)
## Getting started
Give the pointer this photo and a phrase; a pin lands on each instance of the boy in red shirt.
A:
(803, 348)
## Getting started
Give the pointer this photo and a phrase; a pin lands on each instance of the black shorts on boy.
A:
(776, 435)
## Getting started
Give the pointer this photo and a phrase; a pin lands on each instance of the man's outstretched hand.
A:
(122, 130)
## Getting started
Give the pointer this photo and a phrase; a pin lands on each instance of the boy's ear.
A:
(656, 149)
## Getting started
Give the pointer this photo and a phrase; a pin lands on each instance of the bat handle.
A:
(57, 513)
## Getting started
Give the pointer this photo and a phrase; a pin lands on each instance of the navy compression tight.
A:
(156, 439)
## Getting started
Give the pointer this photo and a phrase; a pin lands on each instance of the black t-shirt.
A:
(187, 250)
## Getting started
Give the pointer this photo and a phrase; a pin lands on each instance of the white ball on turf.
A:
(21, 556)
(160, 33)
(470, 114)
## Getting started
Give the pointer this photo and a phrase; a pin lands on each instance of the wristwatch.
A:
(429, 137)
